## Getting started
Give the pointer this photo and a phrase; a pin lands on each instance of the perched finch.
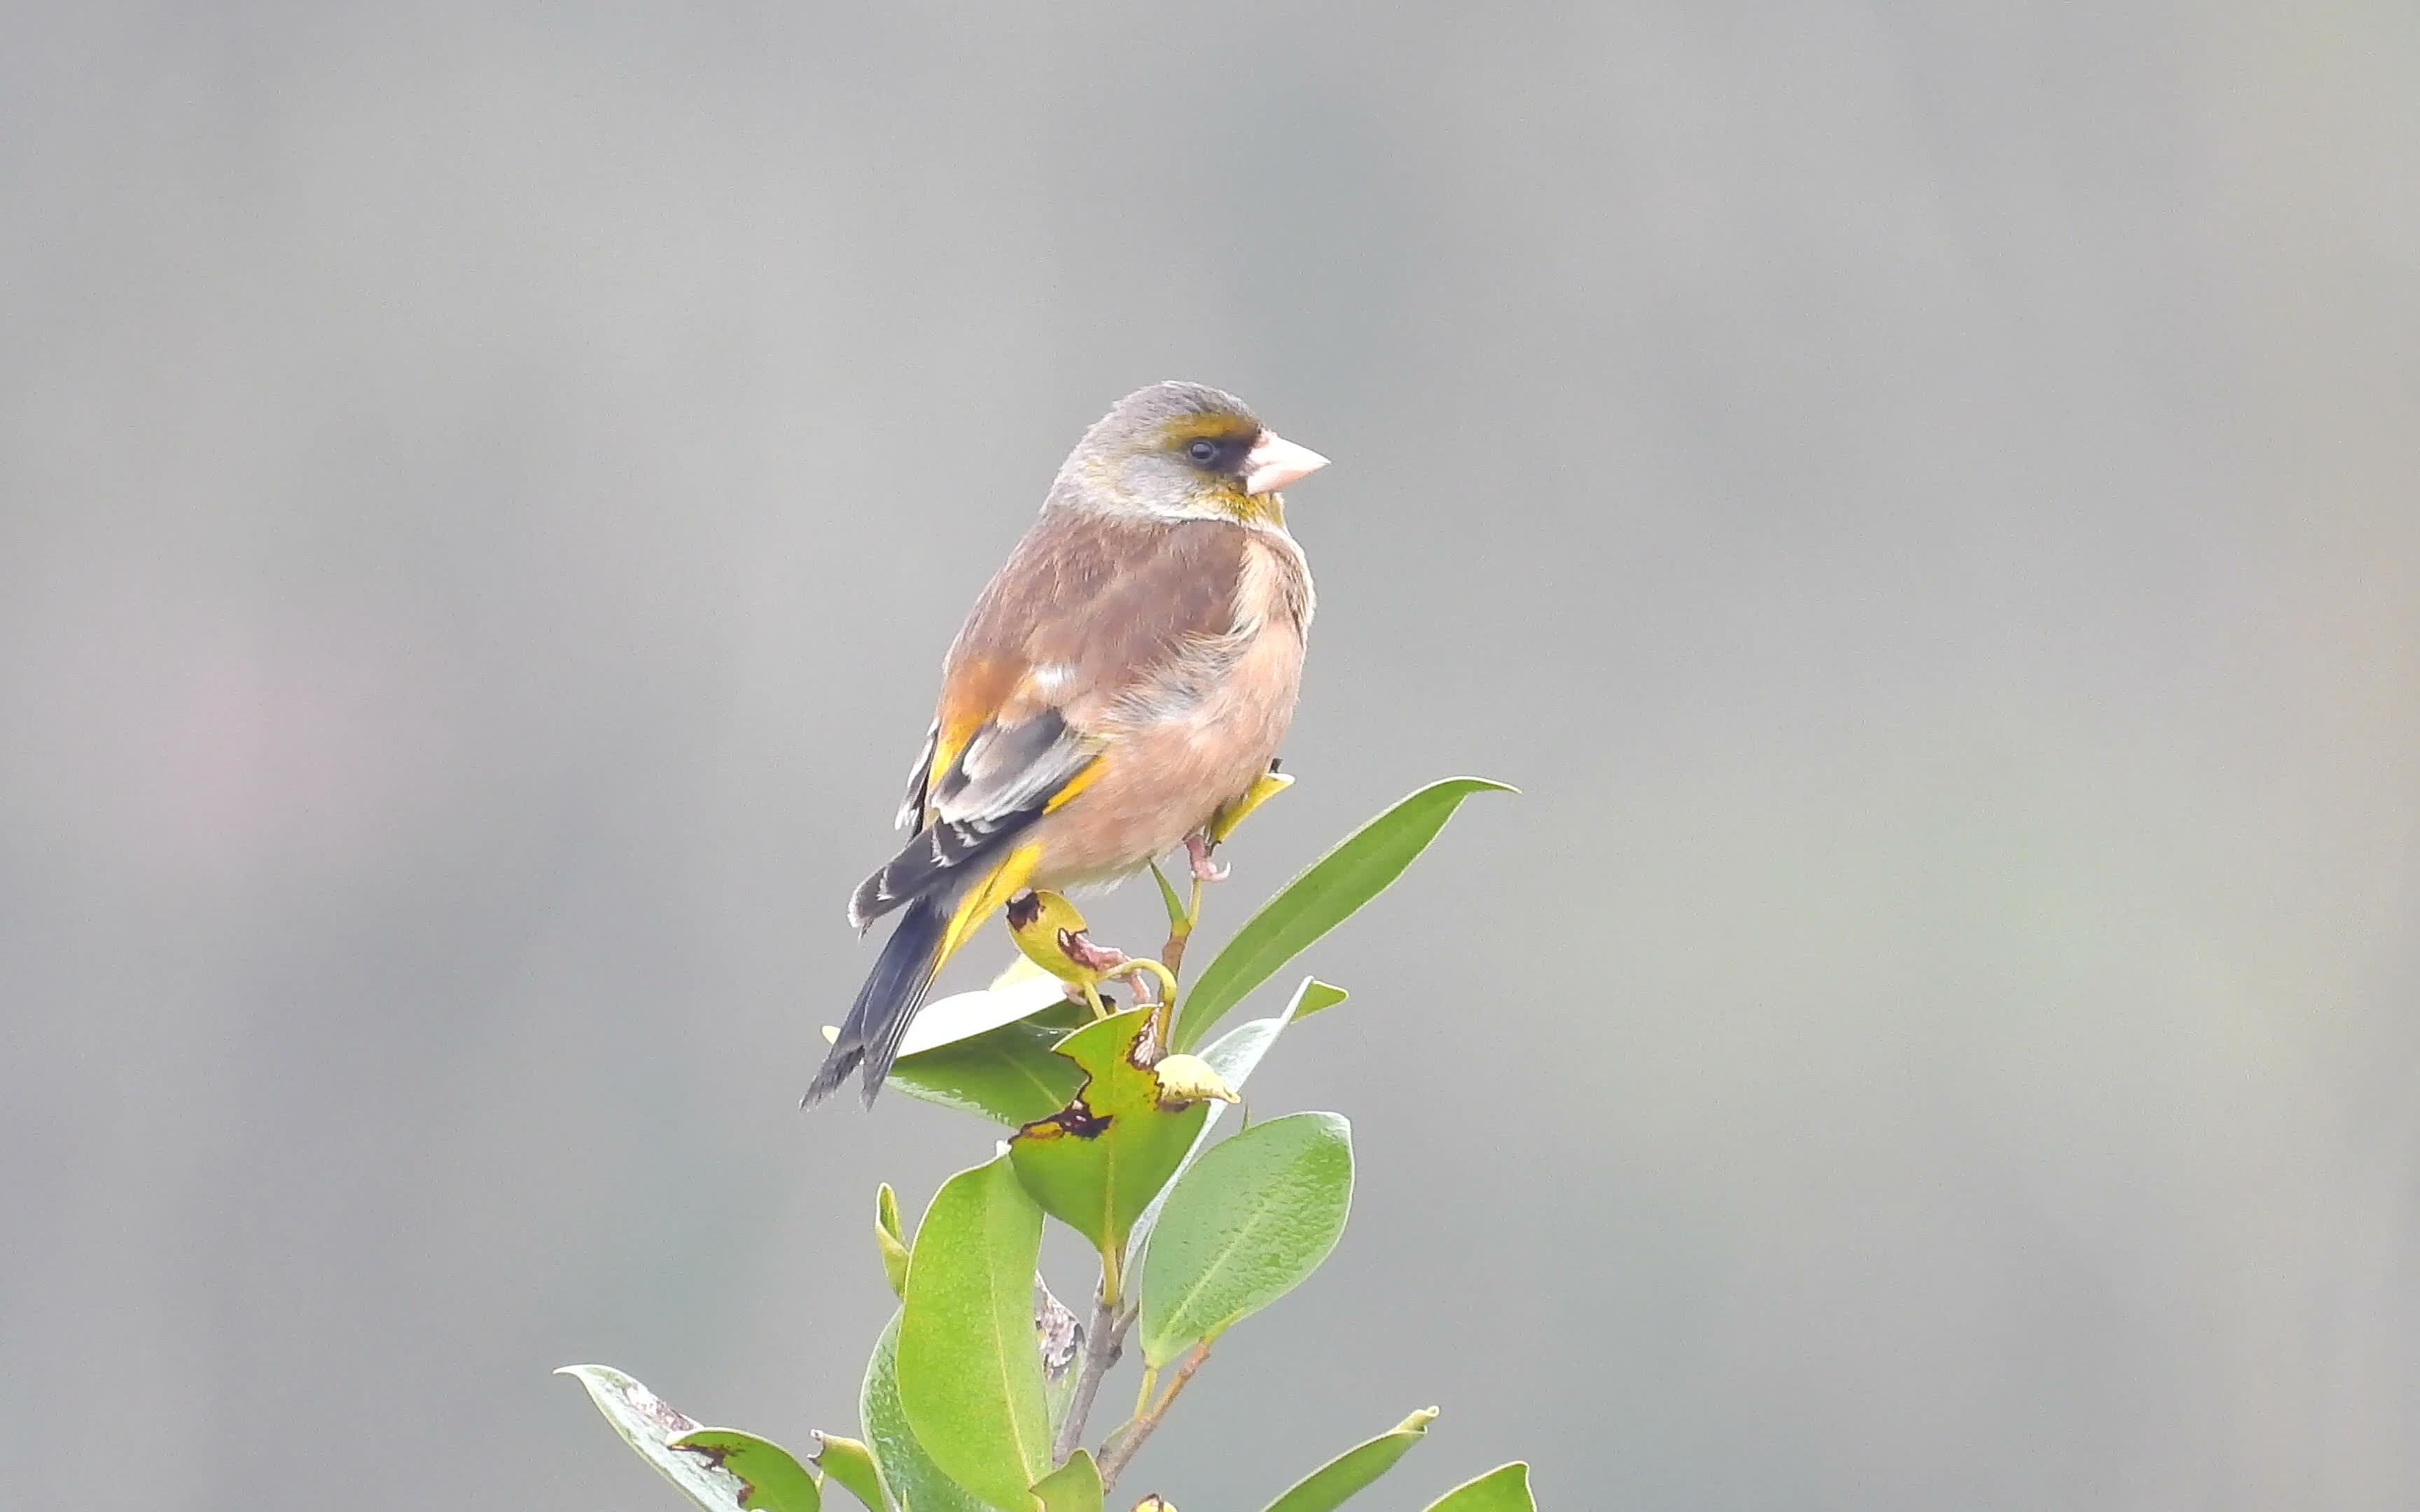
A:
(1127, 672)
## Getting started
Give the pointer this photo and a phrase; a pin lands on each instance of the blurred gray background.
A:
(1922, 498)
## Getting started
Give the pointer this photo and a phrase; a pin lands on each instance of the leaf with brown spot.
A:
(770, 1477)
(1097, 1163)
(721, 1469)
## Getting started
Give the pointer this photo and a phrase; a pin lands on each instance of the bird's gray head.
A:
(1183, 451)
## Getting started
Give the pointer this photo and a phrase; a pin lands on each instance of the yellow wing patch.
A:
(1085, 776)
(1005, 881)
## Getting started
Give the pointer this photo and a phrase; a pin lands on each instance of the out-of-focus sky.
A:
(1922, 499)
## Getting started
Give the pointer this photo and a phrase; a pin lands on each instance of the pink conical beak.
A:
(1274, 462)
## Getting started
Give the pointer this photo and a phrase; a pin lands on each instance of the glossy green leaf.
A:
(850, 1465)
(1007, 1075)
(1505, 1489)
(1073, 1487)
(1234, 1055)
(772, 1479)
(888, 1238)
(1320, 899)
(1096, 1163)
(913, 1482)
(969, 1377)
(1328, 1487)
(649, 1423)
(1244, 1225)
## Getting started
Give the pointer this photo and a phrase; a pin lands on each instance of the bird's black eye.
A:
(1204, 451)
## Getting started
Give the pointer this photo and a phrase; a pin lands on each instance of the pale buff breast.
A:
(1172, 765)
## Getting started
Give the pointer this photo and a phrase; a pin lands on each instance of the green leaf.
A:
(1073, 1487)
(1007, 1075)
(1234, 1056)
(1328, 1487)
(1096, 1163)
(649, 1423)
(1168, 898)
(772, 1479)
(909, 1473)
(849, 1464)
(970, 1376)
(1317, 996)
(887, 1236)
(1505, 1489)
(1322, 898)
(1252, 1218)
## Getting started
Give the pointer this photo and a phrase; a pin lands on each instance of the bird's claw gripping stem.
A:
(1196, 851)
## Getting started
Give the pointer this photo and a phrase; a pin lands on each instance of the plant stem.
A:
(1104, 1345)
(1172, 955)
(1123, 1443)
(1105, 1340)
(1101, 1351)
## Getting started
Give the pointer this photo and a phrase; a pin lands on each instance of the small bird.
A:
(1126, 674)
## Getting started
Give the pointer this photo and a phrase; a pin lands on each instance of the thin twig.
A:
(1124, 1442)
(1102, 1342)
(1172, 955)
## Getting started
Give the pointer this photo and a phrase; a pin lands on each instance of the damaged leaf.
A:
(1048, 929)
(1191, 1079)
(772, 1479)
(1096, 1163)
(648, 1423)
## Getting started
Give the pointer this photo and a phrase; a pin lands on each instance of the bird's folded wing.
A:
(1094, 621)
(1093, 626)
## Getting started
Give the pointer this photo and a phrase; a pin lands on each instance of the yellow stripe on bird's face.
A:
(1221, 485)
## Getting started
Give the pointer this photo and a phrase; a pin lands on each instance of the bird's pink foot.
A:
(1197, 850)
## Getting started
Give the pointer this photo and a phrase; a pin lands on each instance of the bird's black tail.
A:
(877, 1020)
